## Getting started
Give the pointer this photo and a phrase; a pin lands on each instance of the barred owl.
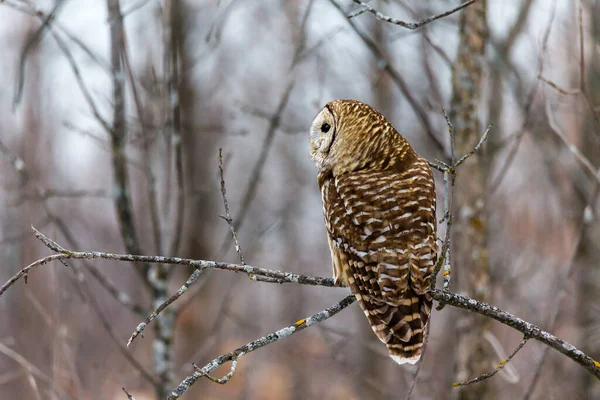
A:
(379, 207)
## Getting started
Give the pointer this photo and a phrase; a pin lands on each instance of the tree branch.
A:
(500, 365)
(257, 344)
(408, 25)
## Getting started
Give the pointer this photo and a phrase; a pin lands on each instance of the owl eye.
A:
(325, 128)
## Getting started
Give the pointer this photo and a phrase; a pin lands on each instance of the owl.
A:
(379, 207)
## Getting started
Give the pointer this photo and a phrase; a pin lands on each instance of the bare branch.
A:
(408, 25)
(227, 216)
(30, 45)
(80, 82)
(223, 380)
(558, 88)
(257, 344)
(500, 365)
(146, 161)
(449, 177)
(52, 23)
(229, 220)
(579, 156)
(31, 369)
(285, 277)
(254, 179)
(140, 328)
(130, 397)
(476, 148)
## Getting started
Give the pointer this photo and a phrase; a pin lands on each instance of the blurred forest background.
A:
(111, 117)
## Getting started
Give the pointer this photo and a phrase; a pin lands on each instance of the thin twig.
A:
(254, 179)
(80, 82)
(579, 156)
(449, 178)
(476, 148)
(500, 365)
(151, 194)
(31, 369)
(226, 378)
(29, 46)
(140, 328)
(130, 397)
(448, 201)
(227, 216)
(52, 23)
(408, 25)
(559, 89)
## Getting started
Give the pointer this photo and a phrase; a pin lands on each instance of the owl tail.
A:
(401, 326)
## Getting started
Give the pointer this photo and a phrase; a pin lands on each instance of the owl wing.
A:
(381, 228)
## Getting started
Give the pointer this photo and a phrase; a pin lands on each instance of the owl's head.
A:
(348, 135)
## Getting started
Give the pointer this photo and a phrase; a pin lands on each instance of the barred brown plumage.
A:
(379, 207)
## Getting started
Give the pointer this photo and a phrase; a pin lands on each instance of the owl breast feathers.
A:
(379, 207)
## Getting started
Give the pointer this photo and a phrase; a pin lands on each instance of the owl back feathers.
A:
(381, 227)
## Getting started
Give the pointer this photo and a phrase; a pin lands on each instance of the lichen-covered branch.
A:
(252, 272)
(500, 365)
(257, 344)
(408, 25)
